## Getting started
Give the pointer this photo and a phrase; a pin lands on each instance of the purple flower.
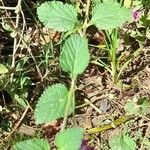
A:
(136, 15)
(85, 146)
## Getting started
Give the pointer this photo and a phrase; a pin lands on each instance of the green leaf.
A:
(109, 15)
(74, 57)
(96, 2)
(57, 16)
(32, 144)
(132, 108)
(127, 3)
(145, 105)
(51, 104)
(122, 142)
(147, 143)
(3, 69)
(23, 102)
(69, 139)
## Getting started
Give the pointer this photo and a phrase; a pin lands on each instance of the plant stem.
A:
(129, 59)
(116, 122)
(17, 11)
(113, 55)
(70, 102)
(85, 25)
(18, 123)
(7, 8)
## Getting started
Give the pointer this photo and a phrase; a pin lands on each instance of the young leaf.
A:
(23, 102)
(51, 104)
(3, 69)
(58, 16)
(74, 57)
(69, 139)
(127, 3)
(32, 144)
(122, 142)
(132, 108)
(109, 15)
(144, 106)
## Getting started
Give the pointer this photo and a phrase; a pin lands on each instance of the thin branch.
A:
(23, 28)
(7, 14)
(18, 123)
(7, 8)
(18, 10)
(93, 106)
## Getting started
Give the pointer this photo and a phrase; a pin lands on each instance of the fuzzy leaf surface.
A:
(122, 142)
(109, 15)
(51, 104)
(32, 144)
(75, 57)
(132, 108)
(57, 16)
(69, 139)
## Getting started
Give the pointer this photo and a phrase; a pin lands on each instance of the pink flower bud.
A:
(136, 15)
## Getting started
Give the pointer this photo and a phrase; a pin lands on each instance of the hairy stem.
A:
(70, 102)
(113, 55)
